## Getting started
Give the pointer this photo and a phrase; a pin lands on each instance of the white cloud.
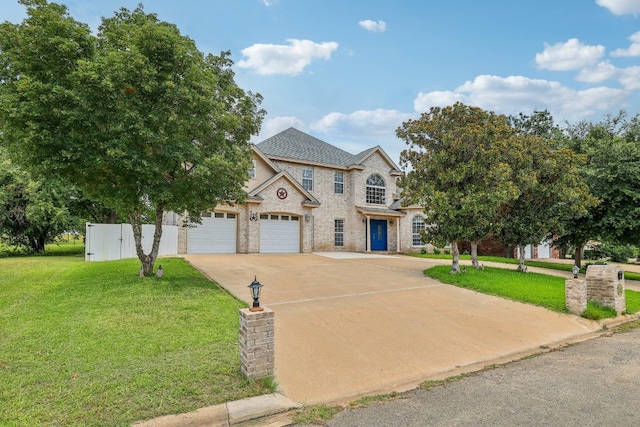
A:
(571, 55)
(634, 48)
(424, 101)
(267, 59)
(362, 123)
(598, 73)
(278, 124)
(518, 94)
(621, 7)
(373, 26)
(630, 78)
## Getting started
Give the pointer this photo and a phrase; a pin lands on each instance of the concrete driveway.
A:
(349, 325)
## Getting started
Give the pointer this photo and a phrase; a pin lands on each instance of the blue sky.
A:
(351, 71)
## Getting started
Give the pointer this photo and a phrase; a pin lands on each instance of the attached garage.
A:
(279, 234)
(216, 234)
(545, 250)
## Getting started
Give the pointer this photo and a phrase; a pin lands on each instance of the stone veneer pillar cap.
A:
(248, 312)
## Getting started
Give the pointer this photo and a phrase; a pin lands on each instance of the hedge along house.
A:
(306, 195)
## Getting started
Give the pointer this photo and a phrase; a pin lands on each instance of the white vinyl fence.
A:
(106, 242)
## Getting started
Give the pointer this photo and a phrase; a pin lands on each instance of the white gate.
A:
(104, 242)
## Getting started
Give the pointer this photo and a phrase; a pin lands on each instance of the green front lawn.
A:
(94, 344)
(542, 264)
(532, 288)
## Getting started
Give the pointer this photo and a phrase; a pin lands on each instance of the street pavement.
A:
(593, 383)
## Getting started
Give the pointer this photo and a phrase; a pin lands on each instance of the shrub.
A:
(595, 252)
(619, 253)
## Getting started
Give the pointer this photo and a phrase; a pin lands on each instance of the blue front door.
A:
(378, 234)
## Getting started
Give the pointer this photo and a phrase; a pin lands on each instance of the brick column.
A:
(604, 286)
(256, 342)
(575, 292)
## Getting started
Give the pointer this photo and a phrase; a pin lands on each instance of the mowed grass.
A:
(628, 275)
(93, 344)
(531, 288)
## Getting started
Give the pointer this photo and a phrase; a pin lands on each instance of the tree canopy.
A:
(551, 190)
(33, 212)
(458, 172)
(477, 173)
(134, 116)
(612, 171)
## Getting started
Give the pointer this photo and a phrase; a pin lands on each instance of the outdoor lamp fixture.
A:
(255, 287)
(576, 270)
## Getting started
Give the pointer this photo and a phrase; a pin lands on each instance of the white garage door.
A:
(279, 234)
(216, 234)
(544, 250)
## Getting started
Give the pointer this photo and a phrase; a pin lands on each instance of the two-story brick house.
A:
(306, 195)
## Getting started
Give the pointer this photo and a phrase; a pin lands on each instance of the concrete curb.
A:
(619, 320)
(226, 414)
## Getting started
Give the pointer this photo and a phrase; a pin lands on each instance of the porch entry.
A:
(378, 234)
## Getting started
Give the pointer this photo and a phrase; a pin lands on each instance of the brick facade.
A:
(320, 207)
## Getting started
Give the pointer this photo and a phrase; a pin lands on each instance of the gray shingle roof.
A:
(297, 145)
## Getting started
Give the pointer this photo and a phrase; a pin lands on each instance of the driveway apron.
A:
(353, 326)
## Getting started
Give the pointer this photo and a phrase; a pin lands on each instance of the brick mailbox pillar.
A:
(605, 285)
(257, 342)
(575, 292)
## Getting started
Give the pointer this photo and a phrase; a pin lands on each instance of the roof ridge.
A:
(297, 145)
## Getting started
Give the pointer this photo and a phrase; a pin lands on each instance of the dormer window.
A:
(376, 190)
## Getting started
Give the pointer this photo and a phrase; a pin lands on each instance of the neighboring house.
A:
(306, 195)
(490, 246)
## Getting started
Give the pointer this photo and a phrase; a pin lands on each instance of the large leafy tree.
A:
(614, 173)
(458, 172)
(551, 189)
(134, 116)
(612, 148)
(32, 212)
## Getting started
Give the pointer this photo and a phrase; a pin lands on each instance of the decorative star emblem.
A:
(281, 193)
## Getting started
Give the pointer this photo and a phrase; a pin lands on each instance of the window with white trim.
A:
(376, 190)
(339, 232)
(307, 179)
(417, 225)
(338, 182)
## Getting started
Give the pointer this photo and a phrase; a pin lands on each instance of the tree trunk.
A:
(474, 254)
(113, 215)
(41, 243)
(521, 266)
(578, 255)
(147, 260)
(455, 255)
(509, 251)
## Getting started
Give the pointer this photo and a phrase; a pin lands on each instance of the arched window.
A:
(376, 190)
(417, 225)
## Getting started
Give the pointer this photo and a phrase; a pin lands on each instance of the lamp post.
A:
(576, 270)
(255, 287)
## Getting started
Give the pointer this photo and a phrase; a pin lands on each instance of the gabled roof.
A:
(311, 201)
(266, 159)
(294, 145)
